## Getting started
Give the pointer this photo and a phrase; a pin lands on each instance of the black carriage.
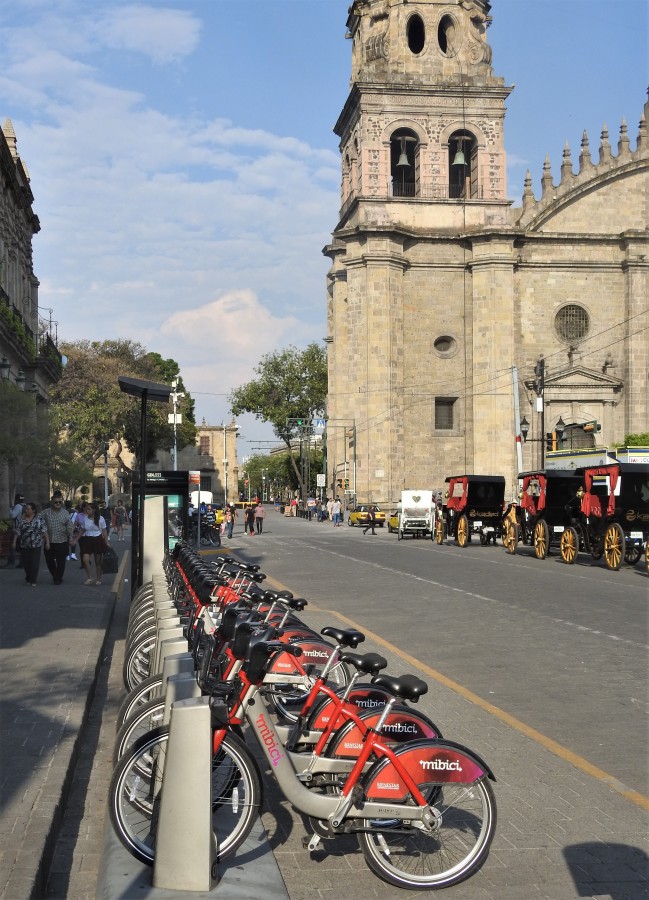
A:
(549, 499)
(613, 516)
(473, 505)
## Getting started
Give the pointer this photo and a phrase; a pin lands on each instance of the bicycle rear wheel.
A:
(134, 795)
(454, 850)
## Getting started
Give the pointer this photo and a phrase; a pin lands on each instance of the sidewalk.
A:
(51, 638)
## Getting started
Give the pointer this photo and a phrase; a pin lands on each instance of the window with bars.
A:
(444, 413)
(572, 323)
(204, 445)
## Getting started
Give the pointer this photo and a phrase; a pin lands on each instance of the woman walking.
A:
(93, 541)
(32, 534)
(260, 515)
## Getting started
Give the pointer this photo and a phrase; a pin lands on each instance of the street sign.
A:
(321, 480)
(318, 423)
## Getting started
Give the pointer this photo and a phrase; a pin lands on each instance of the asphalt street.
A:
(539, 667)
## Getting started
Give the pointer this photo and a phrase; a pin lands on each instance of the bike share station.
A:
(185, 843)
(187, 864)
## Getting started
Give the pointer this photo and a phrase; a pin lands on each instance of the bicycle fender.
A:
(403, 724)
(313, 652)
(365, 696)
(427, 762)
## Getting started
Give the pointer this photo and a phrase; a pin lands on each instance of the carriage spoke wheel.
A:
(569, 546)
(463, 531)
(614, 546)
(510, 537)
(541, 539)
(632, 553)
(439, 530)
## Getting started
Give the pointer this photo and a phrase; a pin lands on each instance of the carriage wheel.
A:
(510, 536)
(462, 531)
(569, 545)
(541, 539)
(614, 546)
(439, 530)
(632, 553)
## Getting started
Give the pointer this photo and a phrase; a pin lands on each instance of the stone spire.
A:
(642, 134)
(546, 178)
(623, 145)
(528, 193)
(604, 147)
(585, 162)
(566, 164)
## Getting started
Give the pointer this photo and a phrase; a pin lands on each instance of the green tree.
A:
(292, 385)
(636, 440)
(89, 406)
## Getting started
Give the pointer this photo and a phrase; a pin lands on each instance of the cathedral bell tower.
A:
(423, 175)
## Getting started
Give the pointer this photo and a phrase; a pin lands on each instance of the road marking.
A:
(557, 749)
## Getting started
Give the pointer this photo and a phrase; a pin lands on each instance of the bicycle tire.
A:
(145, 718)
(134, 795)
(414, 859)
(136, 664)
(145, 691)
(288, 704)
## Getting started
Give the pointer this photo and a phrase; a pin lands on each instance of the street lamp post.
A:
(177, 418)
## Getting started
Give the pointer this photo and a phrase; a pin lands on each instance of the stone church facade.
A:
(442, 297)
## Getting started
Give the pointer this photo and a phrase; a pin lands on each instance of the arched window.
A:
(404, 163)
(463, 165)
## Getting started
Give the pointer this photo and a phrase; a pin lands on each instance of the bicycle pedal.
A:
(311, 843)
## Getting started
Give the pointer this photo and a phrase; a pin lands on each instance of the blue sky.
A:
(185, 170)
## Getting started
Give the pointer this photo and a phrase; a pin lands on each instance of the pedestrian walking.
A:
(93, 541)
(336, 510)
(371, 520)
(15, 514)
(60, 533)
(120, 520)
(229, 521)
(249, 521)
(72, 515)
(32, 534)
(260, 515)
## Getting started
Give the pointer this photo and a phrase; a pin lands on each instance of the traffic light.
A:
(346, 484)
(339, 483)
(551, 440)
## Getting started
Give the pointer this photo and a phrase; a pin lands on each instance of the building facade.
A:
(30, 360)
(442, 297)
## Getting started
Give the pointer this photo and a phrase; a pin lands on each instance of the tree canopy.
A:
(292, 384)
(88, 404)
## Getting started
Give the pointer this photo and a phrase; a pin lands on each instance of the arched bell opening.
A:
(463, 165)
(404, 163)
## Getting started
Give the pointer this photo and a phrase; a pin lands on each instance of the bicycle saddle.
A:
(368, 663)
(407, 687)
(346, 637)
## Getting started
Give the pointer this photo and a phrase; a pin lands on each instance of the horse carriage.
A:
(612, 518)
(473, 505)
(549, 499)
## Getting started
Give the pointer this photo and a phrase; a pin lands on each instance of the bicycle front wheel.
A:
(451, 852)
(134, 794)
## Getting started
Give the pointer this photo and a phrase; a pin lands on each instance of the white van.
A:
(416, 513)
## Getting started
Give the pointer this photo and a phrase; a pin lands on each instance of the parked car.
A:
(359, 515)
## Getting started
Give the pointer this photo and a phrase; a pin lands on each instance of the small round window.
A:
(445, 345)
(572, 323)
(416, 34)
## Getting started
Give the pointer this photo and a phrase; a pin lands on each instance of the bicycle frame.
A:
(351, 803)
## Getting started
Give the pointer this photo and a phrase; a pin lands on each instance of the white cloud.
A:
(164, 35)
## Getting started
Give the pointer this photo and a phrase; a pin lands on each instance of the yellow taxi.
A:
(393, 523)
(359, 515)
